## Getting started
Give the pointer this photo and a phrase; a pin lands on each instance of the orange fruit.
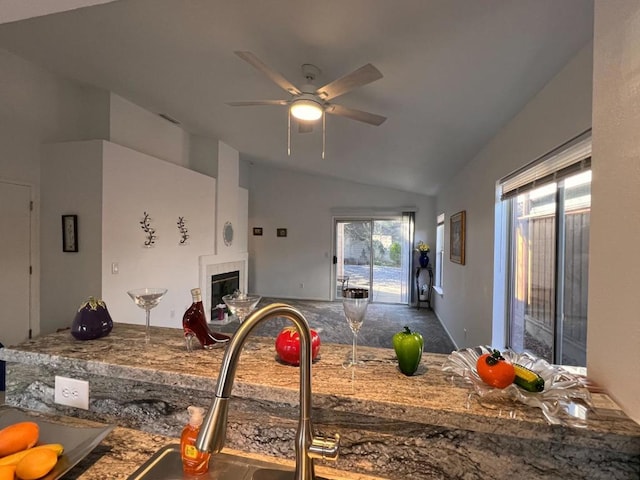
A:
(14, 458)
(7, 472)
(17, 437)
(36, 464)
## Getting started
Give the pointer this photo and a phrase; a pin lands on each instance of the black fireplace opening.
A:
(221, 285)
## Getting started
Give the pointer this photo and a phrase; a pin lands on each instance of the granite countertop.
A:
(379, 391)
(123, 450)
(392, 425)
(379, 388)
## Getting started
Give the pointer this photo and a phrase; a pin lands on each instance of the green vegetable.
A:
(408, 346)
(527, 379)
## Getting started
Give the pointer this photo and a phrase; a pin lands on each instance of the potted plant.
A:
(423, 249)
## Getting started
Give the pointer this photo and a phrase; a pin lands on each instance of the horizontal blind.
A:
(569, 158)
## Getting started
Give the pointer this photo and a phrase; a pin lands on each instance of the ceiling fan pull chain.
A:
(324, 124)
(289, 132)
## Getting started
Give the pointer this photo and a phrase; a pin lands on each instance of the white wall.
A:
(37, 107)
(557, 113)
(144, 131)
(203, 155)
(614, 267)
(134, 183)
(227, 198)
(303, 205)
(72, 185)
(14, 10)
(110, 187)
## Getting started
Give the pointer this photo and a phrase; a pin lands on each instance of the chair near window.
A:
(343, 280)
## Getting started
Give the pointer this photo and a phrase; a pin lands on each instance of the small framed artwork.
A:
(456, 237)
(257, 231)
(69, 233)
(281, 232)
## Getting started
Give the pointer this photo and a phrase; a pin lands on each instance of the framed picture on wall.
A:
(257, 231)
(281, 232)
(69, 233)
(456, 237)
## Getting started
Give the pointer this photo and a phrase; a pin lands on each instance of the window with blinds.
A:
(549, 204)
(564, 161)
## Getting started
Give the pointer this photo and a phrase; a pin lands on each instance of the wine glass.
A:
(147, 298)
(354, 303)
(241, 304)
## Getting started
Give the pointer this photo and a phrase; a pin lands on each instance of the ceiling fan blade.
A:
(352, 113)
(258, 102)
(275, 77)
(355, 79)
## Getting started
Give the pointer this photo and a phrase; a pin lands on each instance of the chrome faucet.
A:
(213, 431)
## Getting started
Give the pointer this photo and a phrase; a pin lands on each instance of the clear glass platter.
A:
(564, 401)
(77, 441)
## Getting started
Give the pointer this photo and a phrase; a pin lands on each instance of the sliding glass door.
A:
(373, 253)
(550, 270)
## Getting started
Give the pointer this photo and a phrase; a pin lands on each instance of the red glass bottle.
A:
(194, 323)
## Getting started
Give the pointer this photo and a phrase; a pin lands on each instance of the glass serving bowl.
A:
(241, 304)
(564, 401)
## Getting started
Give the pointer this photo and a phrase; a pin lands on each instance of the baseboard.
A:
(446, 330)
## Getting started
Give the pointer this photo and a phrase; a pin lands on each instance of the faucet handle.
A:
(324, 447)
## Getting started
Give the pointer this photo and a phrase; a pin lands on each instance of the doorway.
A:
(373, 253)
(15, 258)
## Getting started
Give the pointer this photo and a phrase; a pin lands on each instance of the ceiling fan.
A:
(308, 103)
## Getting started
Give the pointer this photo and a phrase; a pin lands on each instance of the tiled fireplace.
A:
(223, 284)
(225, 269)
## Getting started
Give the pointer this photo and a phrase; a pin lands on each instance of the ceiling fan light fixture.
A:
(306, 109)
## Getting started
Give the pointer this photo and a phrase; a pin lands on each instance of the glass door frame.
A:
(334, 265)
(406, 258)
(558, 339)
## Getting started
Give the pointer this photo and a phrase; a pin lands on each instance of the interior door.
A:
(15, 254)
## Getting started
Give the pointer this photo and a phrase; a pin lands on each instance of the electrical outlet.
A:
(71, 392)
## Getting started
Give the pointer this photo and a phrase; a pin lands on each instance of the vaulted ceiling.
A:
(454, 72)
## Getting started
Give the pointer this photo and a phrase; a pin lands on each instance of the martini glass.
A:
(147, 298)
(354, 303)
(241, 304)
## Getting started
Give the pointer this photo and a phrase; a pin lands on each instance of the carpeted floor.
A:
(381, 322)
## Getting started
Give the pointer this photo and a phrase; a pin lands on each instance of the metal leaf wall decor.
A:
(184, 231)
(150, 232)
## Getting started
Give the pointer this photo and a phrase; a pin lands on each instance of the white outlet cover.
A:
(71, 392)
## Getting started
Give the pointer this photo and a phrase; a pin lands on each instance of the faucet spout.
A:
(307, 447)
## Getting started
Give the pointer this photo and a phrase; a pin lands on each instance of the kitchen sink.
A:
(166, 464)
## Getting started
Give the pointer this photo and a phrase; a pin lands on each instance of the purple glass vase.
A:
(92, 320)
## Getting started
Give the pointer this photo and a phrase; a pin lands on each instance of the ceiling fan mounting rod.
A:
(310, 72)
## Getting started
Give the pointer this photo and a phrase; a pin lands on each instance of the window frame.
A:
(563, 162)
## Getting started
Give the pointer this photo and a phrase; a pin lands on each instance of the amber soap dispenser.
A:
(194, 462)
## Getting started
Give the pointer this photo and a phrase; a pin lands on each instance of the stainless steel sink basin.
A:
(166, 464)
